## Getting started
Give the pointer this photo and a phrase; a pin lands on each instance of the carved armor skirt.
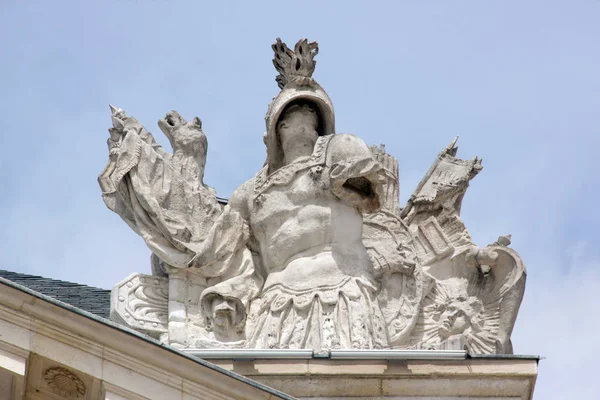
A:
(342, 316)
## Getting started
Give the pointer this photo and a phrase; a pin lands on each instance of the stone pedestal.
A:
(487, 377)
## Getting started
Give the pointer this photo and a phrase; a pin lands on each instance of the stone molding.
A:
(116, 356)
(395, 379)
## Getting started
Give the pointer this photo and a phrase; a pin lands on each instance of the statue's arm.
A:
(228, 234)
(355, 175)
(228, 259)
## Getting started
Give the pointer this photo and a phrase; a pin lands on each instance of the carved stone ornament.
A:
(64, 383)
(314, 251)
(140, 301)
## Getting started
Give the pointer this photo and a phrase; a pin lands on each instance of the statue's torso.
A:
(307, 237)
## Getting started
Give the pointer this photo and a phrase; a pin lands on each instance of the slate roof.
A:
(87, 298)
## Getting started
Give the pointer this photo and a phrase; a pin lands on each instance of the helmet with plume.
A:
(297, 85)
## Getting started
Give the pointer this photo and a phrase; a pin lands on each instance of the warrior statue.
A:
(313, 252)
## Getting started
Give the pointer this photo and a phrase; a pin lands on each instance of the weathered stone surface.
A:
(313, 251)
(160, 195)
(472, 379)
(140, 301)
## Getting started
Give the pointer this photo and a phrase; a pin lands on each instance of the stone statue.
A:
(161, 196)
(314, 251)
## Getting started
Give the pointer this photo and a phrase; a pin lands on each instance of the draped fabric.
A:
(170, 213)
(345, 316)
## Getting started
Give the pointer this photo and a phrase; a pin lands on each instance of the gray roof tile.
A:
(87, 298)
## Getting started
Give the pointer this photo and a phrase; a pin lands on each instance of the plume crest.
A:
(294, 65)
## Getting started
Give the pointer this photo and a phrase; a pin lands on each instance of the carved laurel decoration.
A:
(64, 382)
(296, 64)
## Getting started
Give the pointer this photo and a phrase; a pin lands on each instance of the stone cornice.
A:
(39, 324)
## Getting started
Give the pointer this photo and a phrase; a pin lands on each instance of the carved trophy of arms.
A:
(476, 292)
(390, 248)
(314, 251)
(160, 195)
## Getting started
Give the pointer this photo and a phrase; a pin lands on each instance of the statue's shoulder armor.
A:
(345, 146)
(241, 197)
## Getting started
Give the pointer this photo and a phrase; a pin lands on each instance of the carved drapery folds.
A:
(314, 251)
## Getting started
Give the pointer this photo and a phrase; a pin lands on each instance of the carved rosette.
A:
(65, 383)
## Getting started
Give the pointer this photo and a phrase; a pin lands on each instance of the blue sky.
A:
(519, 82)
